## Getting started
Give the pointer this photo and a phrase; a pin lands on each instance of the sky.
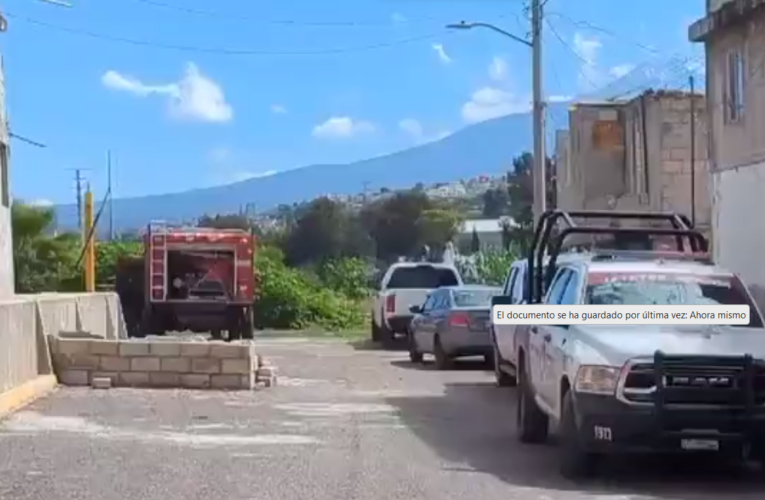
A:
(194, 93)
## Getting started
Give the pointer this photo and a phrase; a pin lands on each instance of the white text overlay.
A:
(543, 314)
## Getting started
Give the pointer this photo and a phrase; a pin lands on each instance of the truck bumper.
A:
(607, 425)
(398, 324)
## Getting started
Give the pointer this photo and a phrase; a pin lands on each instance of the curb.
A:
(13, 399)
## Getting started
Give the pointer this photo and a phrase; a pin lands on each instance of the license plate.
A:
(700, 444)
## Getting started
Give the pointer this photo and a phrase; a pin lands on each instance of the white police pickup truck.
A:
(404, 285)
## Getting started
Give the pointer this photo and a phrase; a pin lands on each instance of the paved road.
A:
(344, 424)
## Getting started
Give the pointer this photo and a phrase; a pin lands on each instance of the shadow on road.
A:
(428, 365)
(398, 345)
(475, 424)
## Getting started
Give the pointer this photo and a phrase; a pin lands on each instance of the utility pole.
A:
(540, 155)
(109, 194)
(78, 181)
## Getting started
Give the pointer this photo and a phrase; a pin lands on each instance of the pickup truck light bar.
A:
(546, 243)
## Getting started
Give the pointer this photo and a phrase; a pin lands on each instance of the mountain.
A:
(485, 148)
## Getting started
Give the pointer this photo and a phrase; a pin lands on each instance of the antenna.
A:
(79, 180)
(109, 194)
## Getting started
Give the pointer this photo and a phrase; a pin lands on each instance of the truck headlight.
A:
(596, 379)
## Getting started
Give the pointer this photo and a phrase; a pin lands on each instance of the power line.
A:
(221, 51)
(279, 22)
(571, 49)
(592, 27)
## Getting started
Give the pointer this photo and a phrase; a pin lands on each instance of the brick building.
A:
(635, 154)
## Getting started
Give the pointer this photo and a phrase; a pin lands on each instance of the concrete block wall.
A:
(156, 363)
(27, 322)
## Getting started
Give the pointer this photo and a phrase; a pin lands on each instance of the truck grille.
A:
(697, 380)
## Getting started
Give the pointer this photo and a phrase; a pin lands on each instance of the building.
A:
(489, 233)
(733, 32)
(6, 233)
(643, 153)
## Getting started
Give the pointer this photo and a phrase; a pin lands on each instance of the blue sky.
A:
(265, 90)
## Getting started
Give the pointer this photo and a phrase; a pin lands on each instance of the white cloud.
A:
(492, 102)
(398, 18)
(243, 176)
(441, 52)
(42, 202)
(220, 155)
(590, 75)
(342, 127)
(194, 97)
(278, 109)
(559, 98)
(414, 129)
(498, 69)
(621, 70)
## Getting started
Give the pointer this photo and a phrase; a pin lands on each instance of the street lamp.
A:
(540, 171)
(468, 26)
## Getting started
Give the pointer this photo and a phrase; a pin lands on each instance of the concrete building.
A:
(635, 154)
(733, 32)
(489, 233)
(6, 235)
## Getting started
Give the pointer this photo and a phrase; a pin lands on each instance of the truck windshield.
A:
(423, 276)
(475, 298)
(668, 289)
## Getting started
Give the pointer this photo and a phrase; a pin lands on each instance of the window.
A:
(519, 289)
(511, 279)
(474, 298)
(422, 276)
(570, 295)
(429, 302)
(735, 78)
(559, 286)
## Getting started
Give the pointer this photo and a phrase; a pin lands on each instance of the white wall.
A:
(739, 226)
(6, 241)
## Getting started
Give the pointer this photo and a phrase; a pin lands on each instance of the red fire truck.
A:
(190, 279)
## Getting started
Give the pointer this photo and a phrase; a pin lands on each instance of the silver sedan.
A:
(452, 322)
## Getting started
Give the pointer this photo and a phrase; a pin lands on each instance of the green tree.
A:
(475, 242)
(394, 223)
(520, 185)
(495, 203)
(225, 221)
(43, 261)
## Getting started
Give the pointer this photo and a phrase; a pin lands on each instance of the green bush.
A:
(289, 298)
(492, 266)
(349, 277)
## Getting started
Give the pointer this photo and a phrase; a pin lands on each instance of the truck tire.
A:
(375, 331)
(575, 461)
(532, 425)
(501, 378)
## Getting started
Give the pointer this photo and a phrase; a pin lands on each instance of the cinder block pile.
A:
(160, 363)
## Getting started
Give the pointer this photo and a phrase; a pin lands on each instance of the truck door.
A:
(503, 334)
(540, 340)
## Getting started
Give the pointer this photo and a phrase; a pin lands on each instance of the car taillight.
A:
(390, 304)
(459, 319)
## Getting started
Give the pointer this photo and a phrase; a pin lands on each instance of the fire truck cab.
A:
(190, 279)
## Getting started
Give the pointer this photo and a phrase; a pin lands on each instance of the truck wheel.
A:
(375, 331)
(442, 359)
(502, 379)
(532, 425)
(415, 356)
(575, 461)
(387, 336)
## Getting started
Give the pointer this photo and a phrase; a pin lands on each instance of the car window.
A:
(511, 278)
(429, 302)
(474, 298)
(422, 276)
(656, 288)
(558, 286)
(520, 286)
(570, 295)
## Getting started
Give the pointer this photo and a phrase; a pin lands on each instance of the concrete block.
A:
(114, 364)
(74, 377)
(165, 349)
(142, 364)
(113, 376)
(160, 379)
(72, 346)
(226, 382)
(195, 381)
(134, 348)
(248, 381)
(229, 351)
(101, 383)
(267, 371)
(195, 349)
(104, 347)
(205, 365)
(237, 366)
(134, 379)
(83, 360)
(177, 365)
